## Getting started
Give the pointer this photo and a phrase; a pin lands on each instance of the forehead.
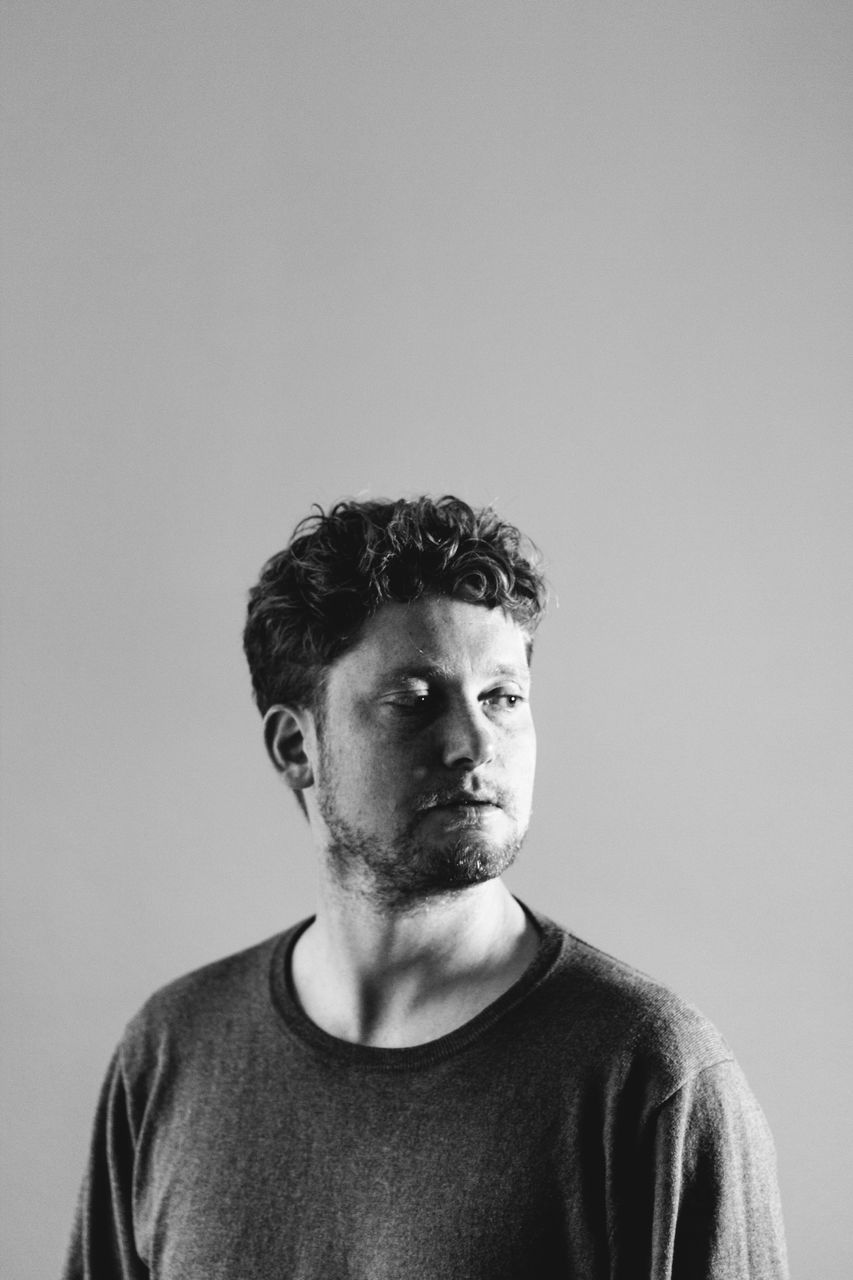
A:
(451, 637)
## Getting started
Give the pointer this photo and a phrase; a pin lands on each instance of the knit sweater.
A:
(588, 1124)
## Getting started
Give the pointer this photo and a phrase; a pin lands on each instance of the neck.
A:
(396, 978)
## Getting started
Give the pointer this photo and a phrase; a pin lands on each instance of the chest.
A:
(364, 1178)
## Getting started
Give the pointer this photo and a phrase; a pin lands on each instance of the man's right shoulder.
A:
(206, 1005)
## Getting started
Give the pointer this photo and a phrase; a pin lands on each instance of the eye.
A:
(508, 698)
(408, 701)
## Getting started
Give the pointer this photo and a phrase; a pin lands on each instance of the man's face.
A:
(426, 752)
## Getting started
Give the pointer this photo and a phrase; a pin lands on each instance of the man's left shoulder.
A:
(624, 1023)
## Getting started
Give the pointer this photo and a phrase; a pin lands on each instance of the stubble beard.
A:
(410, 871)
(406, 872)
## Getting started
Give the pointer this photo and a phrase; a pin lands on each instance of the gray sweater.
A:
(588, 1124)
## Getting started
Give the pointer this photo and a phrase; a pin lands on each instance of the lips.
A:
(461, 800)
(464, 804)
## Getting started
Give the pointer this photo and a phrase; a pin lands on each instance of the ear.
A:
(285, 730)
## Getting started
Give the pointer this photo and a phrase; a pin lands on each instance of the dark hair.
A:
(341, 566)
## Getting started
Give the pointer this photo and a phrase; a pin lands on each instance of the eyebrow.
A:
(435, 671)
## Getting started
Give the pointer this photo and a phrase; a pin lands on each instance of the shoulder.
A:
(197, 1012)
(624, 1027)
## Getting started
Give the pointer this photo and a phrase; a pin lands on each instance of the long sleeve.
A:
(102, 1243)
(717, 1214)
(588, 1124)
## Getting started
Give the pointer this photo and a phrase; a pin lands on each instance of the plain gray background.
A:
(590, 262)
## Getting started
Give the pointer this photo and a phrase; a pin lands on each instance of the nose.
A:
(467, 737)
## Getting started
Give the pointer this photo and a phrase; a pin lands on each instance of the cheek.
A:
(373, 782)
(521, 748)
(522, 760)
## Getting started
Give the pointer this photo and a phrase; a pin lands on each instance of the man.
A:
(427, 1079)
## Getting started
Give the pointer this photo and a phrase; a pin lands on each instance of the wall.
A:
(587, 262)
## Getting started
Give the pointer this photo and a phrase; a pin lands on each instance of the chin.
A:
(469, 862)
(411, 868)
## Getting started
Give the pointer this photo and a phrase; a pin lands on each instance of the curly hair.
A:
(341, 566)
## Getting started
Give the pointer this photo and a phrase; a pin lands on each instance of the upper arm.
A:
(102, 1245)
(717, 1214)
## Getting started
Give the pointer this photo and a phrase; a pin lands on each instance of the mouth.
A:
(462, 801)
(463, 806)
(466, 804)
